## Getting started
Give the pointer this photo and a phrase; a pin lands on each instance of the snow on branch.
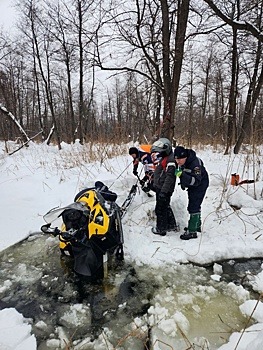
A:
(241, 25)
(11, 116)
(20, 128)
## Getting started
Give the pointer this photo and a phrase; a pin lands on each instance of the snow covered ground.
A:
(39, 177)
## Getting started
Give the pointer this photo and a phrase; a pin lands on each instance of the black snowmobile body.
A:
(91, 229)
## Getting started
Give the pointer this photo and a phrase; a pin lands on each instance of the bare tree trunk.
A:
(81, 62)
(231, 127)
(190, 108)
(252, 97)
(157, 43)
(45, 80)
(205, 94)
(218, 120)
(67, 61)
(42, 126)
(232, 96)
(171, 84)
(183, 12)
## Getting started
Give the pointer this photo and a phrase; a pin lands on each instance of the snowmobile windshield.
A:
(56, 213)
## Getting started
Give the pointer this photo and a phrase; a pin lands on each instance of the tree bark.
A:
(46, 81)
(183, 12)
(231, 123)
(81, 62)
(252, 97)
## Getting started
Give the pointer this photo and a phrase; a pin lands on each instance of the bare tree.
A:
(243, 25)
(157, 49)
(44, 67)
(248, 20)
(253, 94)
(59, 31)
(232, 95)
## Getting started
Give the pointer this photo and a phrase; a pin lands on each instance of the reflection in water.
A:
(176, 305)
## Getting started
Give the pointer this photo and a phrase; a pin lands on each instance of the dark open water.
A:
(64, 308)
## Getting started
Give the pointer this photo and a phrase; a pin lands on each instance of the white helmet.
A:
(163, 145)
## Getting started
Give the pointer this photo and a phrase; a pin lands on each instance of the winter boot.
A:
(194, 222)
(193, 227)
(188, 235)
(172, 225)
(157, 231)
(199, 225)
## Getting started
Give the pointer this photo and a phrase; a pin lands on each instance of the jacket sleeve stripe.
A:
(192, 181)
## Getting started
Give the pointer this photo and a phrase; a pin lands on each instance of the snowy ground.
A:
(39, 177)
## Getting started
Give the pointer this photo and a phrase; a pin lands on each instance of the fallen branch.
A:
(13, 118)
(25, 143)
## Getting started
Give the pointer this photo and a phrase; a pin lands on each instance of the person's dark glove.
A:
(142, 182)
(146, 189)
(135, 170)
(182, 186)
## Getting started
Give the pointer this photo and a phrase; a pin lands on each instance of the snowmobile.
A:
(91, 229)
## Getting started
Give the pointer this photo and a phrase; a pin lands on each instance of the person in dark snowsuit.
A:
(193, 176)
(143, 157)
(164, 183)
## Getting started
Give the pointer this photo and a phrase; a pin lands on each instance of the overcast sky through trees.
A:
(8, 14)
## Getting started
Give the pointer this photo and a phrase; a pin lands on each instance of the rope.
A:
(120, 175)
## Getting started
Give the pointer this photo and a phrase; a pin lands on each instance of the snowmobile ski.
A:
(125, 205)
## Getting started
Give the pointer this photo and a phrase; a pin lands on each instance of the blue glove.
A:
(178, 172)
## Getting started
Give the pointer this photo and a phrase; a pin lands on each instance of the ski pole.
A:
(139, 179)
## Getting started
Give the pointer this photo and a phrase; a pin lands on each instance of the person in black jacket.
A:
(193, 176)
(164, 183)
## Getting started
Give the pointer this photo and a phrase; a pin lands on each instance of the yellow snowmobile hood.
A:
(98, 223)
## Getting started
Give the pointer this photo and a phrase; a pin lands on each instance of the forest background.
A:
(113, 71)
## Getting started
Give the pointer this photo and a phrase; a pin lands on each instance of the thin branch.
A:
(240, 25)
(25, 143)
